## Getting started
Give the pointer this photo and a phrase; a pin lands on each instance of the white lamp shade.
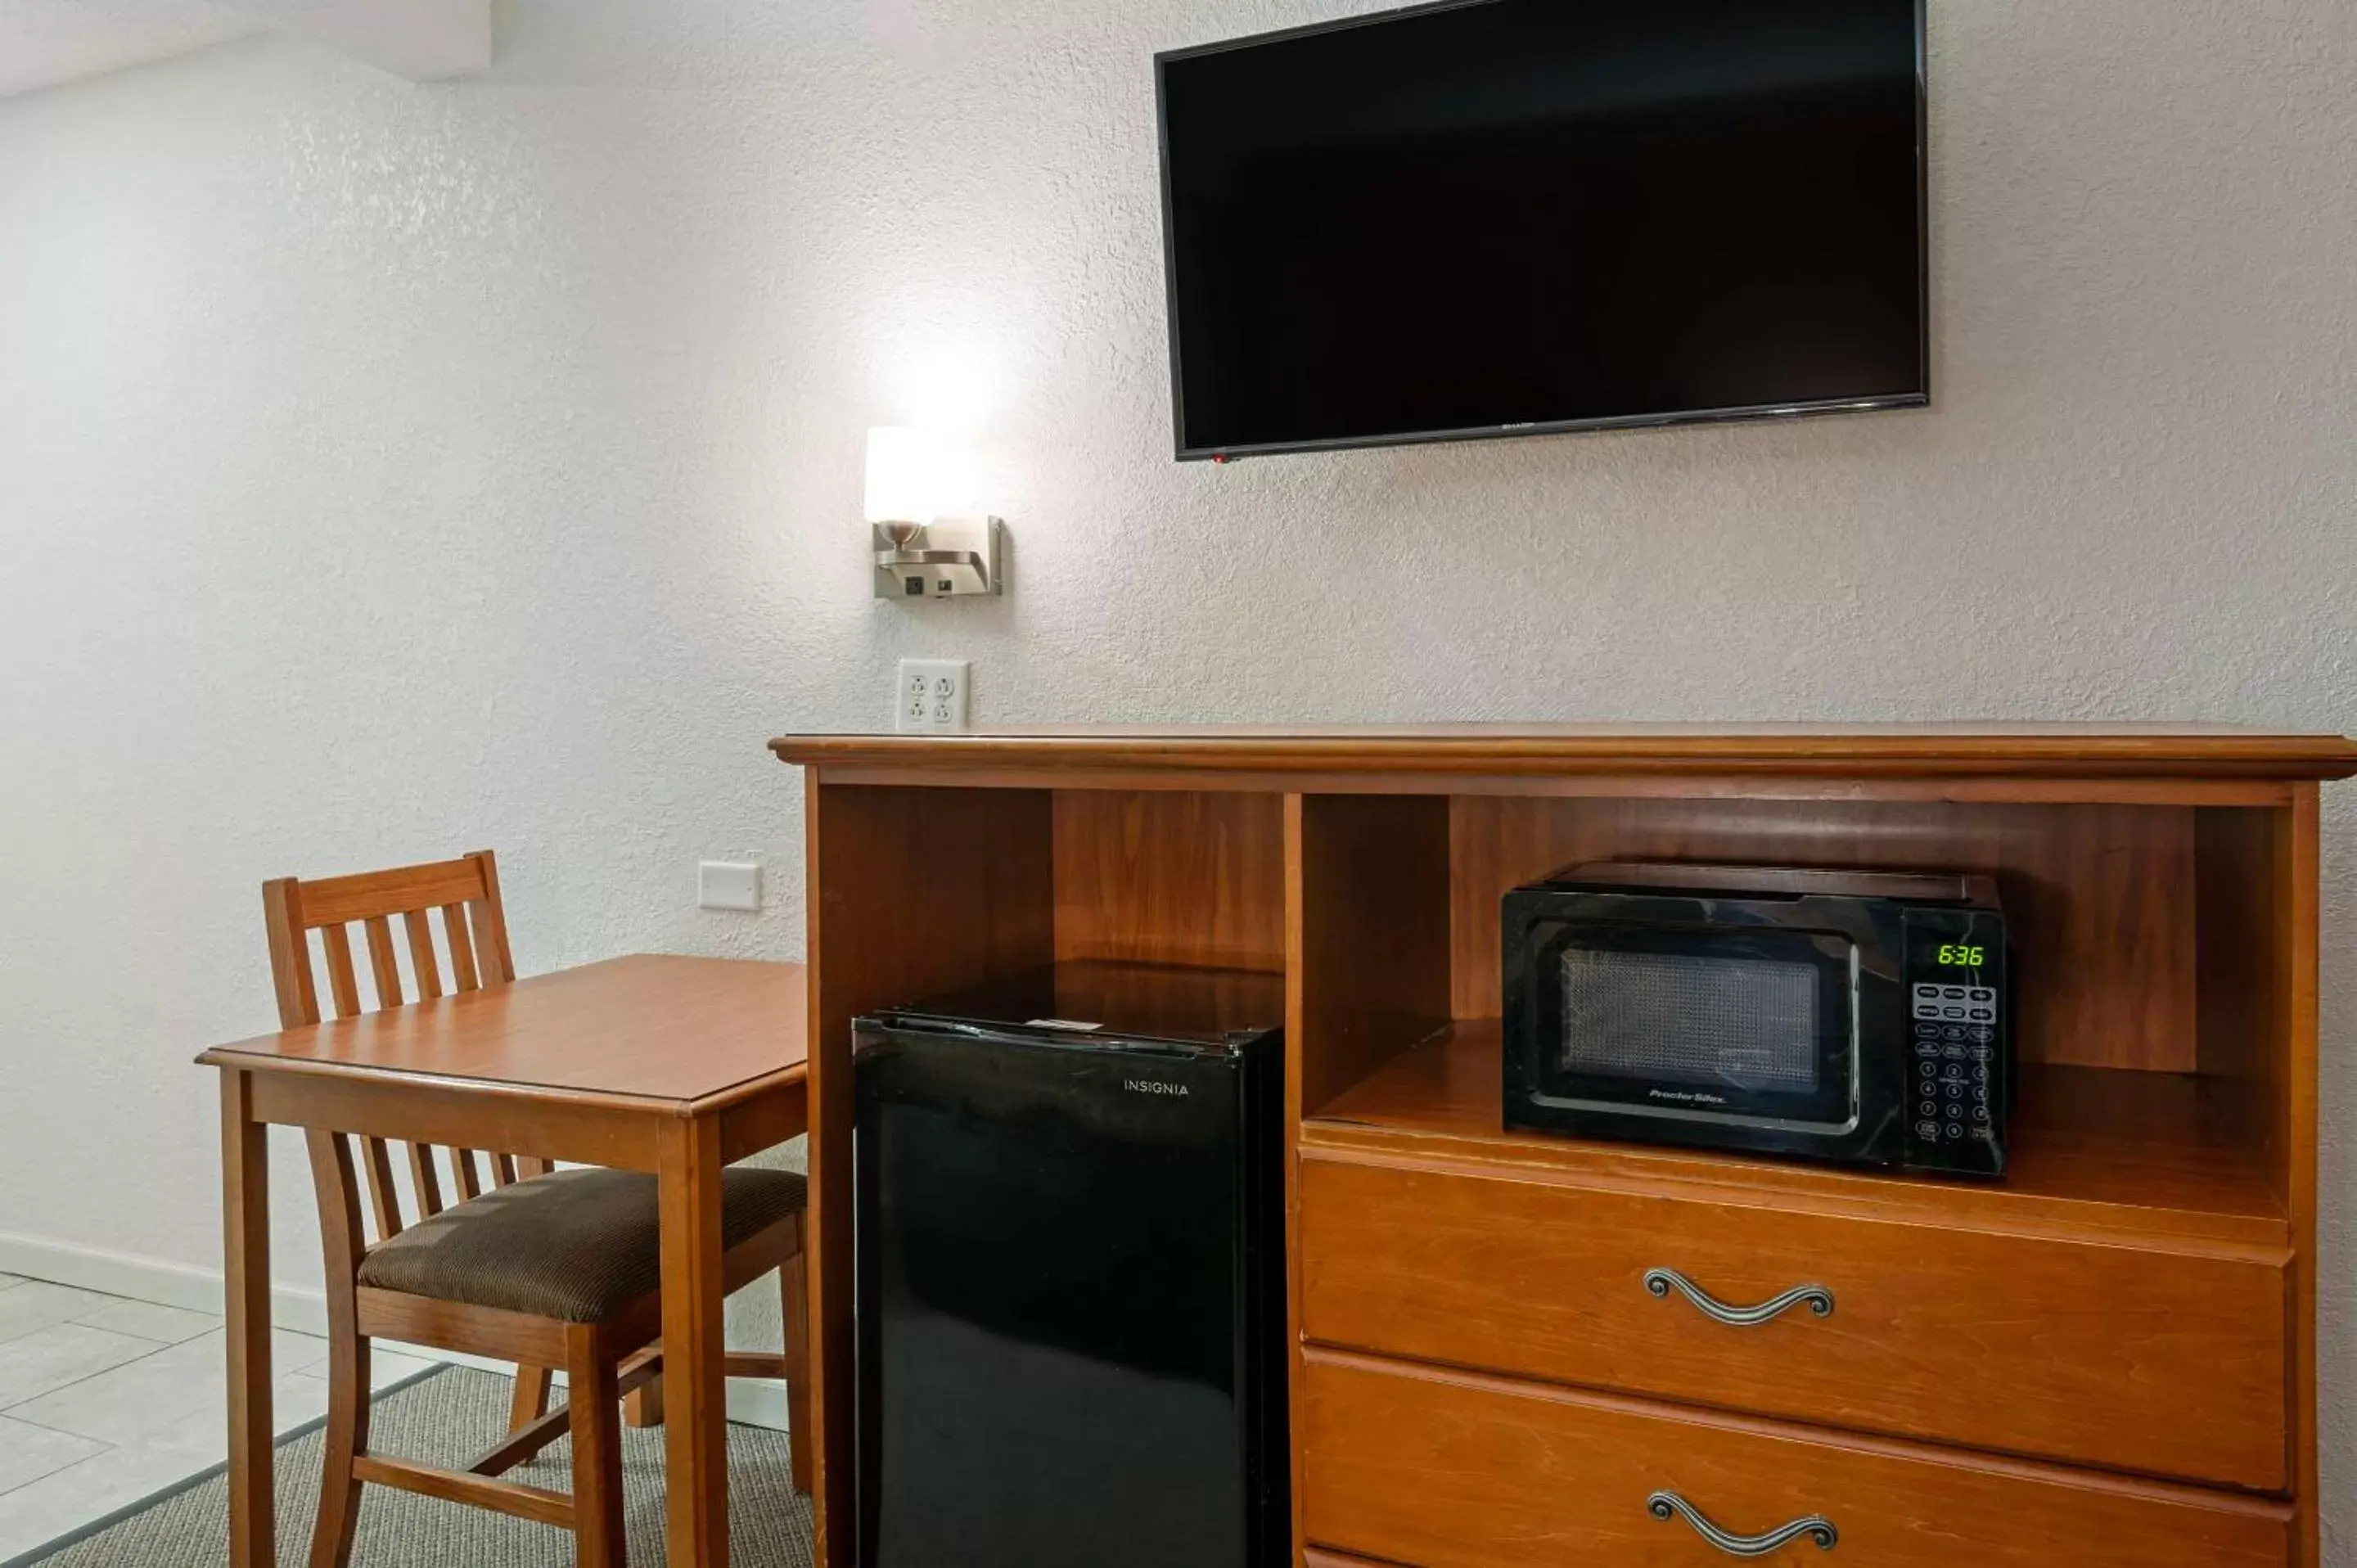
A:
(912, 474)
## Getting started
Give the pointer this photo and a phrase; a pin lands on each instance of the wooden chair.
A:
(549, 1269)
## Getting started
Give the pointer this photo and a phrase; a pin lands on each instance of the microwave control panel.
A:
(1958, 1048)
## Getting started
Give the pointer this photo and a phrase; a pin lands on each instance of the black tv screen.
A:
(1499, 216)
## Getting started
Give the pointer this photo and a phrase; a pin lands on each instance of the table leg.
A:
(695, 1433)
(245, 1262)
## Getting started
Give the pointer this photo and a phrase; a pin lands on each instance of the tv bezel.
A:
(1757, 412)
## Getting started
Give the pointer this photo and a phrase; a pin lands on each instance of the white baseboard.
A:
(116, 1273)
(194, 1289)
(183, 1285)
(754, 1404)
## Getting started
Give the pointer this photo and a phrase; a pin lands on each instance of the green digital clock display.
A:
(1956, 955)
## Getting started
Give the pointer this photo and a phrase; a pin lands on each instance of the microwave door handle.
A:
(1662, 1282)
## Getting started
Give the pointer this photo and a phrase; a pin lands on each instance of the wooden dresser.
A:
(2109, 1359)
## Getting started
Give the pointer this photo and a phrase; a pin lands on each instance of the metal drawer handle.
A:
(1667, 1506)
(1661, 1282)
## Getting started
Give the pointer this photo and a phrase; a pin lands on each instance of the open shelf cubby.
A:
(2152, 992)
(931, 890)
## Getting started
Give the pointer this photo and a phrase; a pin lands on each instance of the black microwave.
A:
(1860, 1017)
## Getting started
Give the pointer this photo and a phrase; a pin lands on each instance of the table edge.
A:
(722, 1099)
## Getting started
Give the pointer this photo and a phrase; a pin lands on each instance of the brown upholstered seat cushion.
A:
(575, 1245)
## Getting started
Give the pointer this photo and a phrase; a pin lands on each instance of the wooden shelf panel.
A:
(1162, 877)
(2141, 1154)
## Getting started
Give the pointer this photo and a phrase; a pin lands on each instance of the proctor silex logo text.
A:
(1682, 1098)
(1149, 1085)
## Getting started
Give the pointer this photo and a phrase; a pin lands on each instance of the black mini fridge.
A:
(1070, 1290)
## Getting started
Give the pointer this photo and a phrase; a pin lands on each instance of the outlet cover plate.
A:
(929, 696)
(729, 884)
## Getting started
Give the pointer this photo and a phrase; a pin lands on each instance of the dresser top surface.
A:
(2113, 750)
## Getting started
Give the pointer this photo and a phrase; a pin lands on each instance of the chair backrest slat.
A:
(343, 985)
(385, 1198)
(470, 1176)
(425, 1180)
(462, 951)
(475, 937)
(422, 962)
(383, 965)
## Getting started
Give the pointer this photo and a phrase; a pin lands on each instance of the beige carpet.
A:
(444, 1419)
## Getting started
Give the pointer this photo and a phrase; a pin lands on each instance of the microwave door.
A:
(1755, 1027)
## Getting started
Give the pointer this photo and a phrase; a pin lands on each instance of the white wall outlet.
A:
(729, 884)
(930, 694)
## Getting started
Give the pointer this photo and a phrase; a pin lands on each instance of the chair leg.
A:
(531, 1386)
(345, 1439)
(596, 1422)
(643, 1406)
(794, 1290)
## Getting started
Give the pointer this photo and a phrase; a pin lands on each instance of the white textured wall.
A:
(389, 470)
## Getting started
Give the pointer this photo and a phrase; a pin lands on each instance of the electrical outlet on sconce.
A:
(929, 696)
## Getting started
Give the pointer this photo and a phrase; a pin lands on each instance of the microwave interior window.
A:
(1749, 1024)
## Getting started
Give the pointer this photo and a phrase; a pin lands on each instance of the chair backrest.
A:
(466, 894)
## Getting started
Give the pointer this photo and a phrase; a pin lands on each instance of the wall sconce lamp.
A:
(919, 553)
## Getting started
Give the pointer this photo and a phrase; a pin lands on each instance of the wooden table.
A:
(677, 1066)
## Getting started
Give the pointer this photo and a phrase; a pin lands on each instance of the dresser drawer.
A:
(1459, 1470)
(2170, 1363)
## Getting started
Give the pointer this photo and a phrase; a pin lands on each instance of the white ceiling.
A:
(44, 43)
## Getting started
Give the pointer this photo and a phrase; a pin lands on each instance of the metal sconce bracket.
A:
(951, 557)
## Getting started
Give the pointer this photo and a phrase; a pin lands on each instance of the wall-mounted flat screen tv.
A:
(1504, 217)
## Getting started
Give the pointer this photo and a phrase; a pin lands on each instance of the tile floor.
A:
(104, 1402)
